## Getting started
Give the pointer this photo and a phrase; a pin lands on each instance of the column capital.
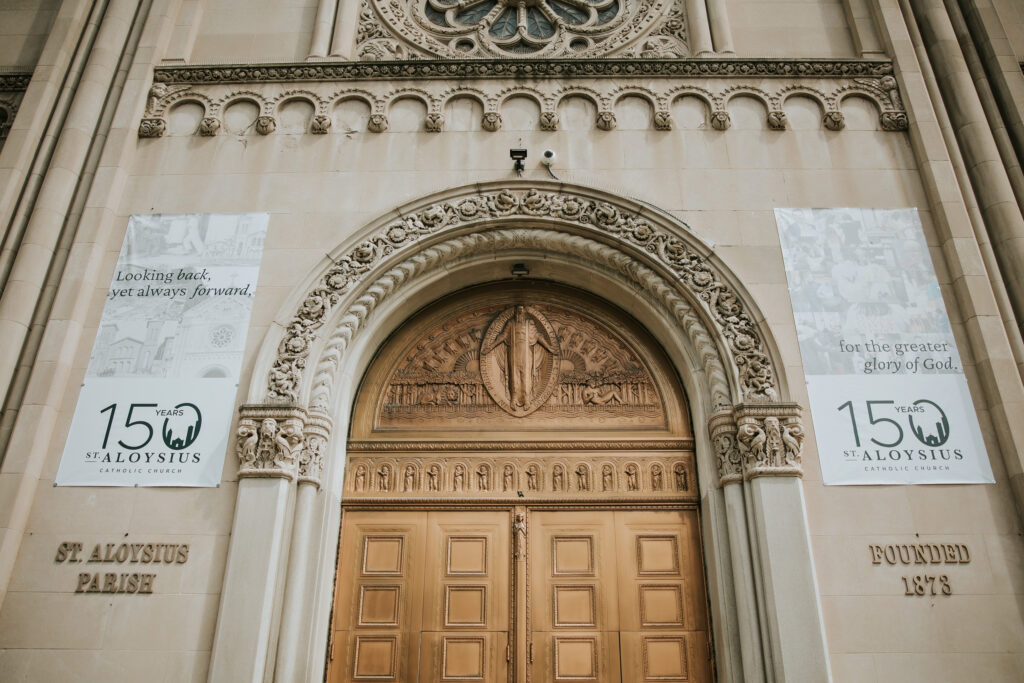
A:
(317, 431)
(770, 438)
(269, 440)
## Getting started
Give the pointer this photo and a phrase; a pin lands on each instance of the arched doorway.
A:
(521, 500)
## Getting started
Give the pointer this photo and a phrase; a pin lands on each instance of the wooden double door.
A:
(520, 594)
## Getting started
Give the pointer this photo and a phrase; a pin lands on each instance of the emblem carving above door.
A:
(519, 360)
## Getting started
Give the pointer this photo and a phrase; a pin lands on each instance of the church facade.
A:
(524, 319)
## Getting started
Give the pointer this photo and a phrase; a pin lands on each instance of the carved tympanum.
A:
(500, 363)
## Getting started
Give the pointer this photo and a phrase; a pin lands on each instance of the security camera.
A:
(548, 157)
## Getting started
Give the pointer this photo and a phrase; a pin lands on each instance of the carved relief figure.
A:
(558, 478)
(599, 398)
(582, 477)
(793, 438)
(247, 438)
(384, 478)
(752, 439)
(433, 477)
(631, 477)
(519, 530)
(773, 440)
(606, 478)
(532, 476)
(459, 479)
(682, 479)
(527, 369)
(507, 477)
(656, 477)
(410, 478)
(360, 484)
(483, 478)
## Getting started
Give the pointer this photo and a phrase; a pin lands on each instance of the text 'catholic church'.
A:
(512, 341)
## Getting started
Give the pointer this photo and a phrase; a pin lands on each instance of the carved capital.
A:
(777, 120)
(770, 438)
(265, 125)
(491, 121)
(549, 120)
(269, 440)
(834, 120)
(606, 120)
(662, 120)
(152, 128)
(321, 124)
(311, 460)
(434, 123)
(894, 121)
(378, 123)
(722, 428)
(721, 120)
(209, 126)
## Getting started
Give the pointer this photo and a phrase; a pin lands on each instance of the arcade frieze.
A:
(530, 476)
(379, 95)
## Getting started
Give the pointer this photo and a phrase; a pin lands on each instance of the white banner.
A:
(888, 395)
(156, 404)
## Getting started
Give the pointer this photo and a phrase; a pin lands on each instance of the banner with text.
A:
(887, 391)
(156, 404)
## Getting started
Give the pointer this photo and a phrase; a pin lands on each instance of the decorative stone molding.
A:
(449, 69)
(428, 261)
(605, 94)
(14, 82)
(12, 90)
(311, 460)
(269, 440)
(519, 445)
(770, 439)
(722, 429)
(523, 477)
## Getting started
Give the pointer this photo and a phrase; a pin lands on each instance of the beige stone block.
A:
(982, 624)
(950, 509)
(883, 624)
(82, 510)
(860, 510)
(755, 264)
(41, 620)
(948, 667)
(1006, 559)
(35, 424)
(853, 668)
(183, 511)
(185, 622)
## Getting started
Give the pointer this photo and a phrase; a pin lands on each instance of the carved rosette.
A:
(269, 440)
(722, 427)
(770, 438)
(311, 460)
(152, 128)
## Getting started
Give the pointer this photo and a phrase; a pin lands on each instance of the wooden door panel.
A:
(377, 609)
(581, 656)
(476, 656)
(572, 572)
(662, 604)
(467, 570)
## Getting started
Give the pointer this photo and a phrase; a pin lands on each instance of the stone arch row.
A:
(268, 99)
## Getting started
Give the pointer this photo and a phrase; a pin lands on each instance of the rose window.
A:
(418, 29)
(221, 336)
(526, 26)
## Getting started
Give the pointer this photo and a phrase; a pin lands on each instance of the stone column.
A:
(290, 650)
(718, 20)
(722, 427)
(770, 439)
(346, 24)
(699, 28)
(269, 443)
(985, 168)
(322, 28)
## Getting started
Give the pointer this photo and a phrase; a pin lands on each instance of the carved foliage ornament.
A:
(281, 441)
(692, 270)
(411, 29)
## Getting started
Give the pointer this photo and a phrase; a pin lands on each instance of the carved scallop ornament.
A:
(399, 29)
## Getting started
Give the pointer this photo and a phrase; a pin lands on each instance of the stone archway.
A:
(673, 283)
